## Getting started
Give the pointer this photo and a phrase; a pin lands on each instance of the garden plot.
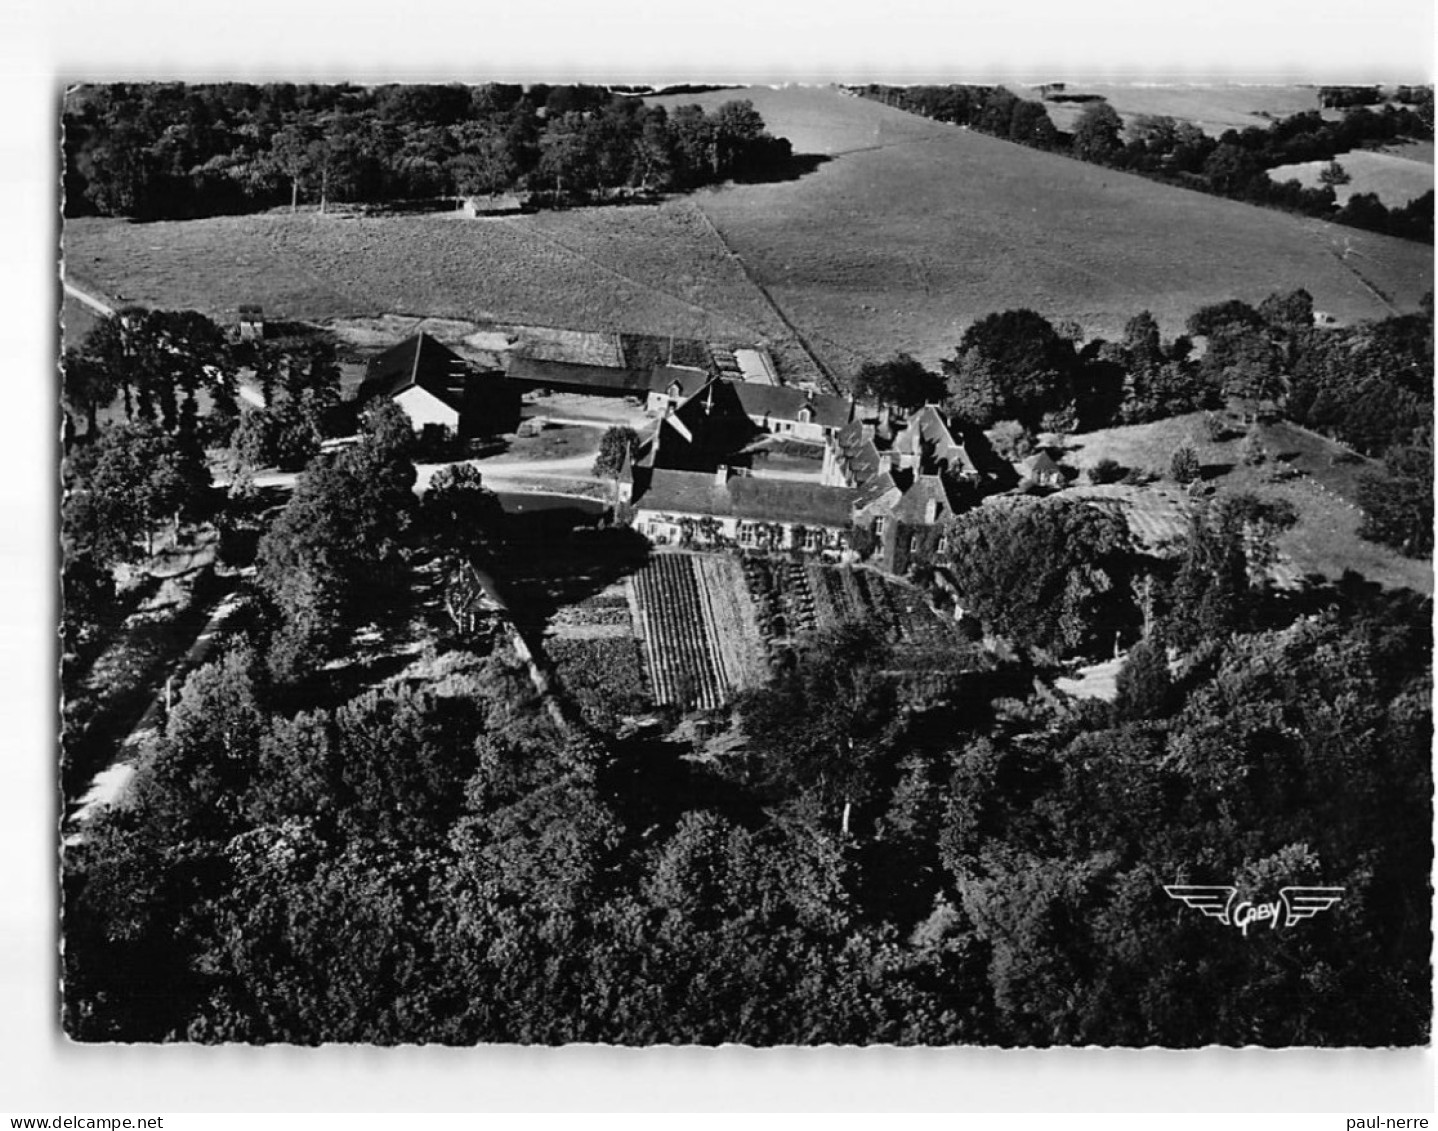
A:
(679, 649)
(702, 640)
(794, 599)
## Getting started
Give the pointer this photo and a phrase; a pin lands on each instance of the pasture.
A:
(1391, 175)
(1213, 108)
(909, 232)
(1325, 540)
(914, 229)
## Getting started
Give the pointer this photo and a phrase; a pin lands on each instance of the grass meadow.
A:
(1213, 109)
(1395, 176)
(1325, 540)
(910, 231)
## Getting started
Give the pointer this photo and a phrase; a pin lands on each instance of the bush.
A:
(1184, 466)
(1107, 471)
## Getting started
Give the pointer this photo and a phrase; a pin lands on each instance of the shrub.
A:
(1107, 471)
(1184, 466)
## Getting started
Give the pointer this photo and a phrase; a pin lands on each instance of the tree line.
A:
(1233, 165)
(173, 150)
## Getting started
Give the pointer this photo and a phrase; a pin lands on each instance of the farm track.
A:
(798, 335)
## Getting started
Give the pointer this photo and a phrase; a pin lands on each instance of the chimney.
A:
(721, 475)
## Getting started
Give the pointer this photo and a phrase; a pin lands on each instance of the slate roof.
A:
(927, 426)
(857, 451)
(690, 380)
(747, 497)
(418, 360)
(874, 490)
(779, 403)
(1038, 465)
(600, 378)
(914, 506)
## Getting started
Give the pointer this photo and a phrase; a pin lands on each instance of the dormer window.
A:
(806, 414)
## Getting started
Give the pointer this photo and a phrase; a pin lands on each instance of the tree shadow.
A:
(560, 557)
(791, 168)
(1211, 471)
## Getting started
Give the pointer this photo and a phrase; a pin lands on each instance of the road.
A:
(88, 299)
(109, 786)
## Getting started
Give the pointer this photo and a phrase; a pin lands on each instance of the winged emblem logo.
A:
(1221, 902)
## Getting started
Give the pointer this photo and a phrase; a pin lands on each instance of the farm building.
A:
(500, 204)
(671, 385)
(438, 389)
(906, 479)
(471, 600)
(252, 322)
(756, 366)
(1040, 470)
(699, 508)
(535, 373)
(796, 413)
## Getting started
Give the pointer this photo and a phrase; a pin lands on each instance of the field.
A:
(658, 269)
(1395, 176)
(910, 231)
(915, 228)
(1325, 540)
(712, 624)
(1212, 108)
(700, 637)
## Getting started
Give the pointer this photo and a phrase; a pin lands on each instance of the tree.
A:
(1050, 574)
(1184, 467)
(1098, 133)
(126, 484)
(824, 733)
(484, 162)
(616, 444)
(193, 783)
(902, 383)
(1012, 440)
(1030, 364)
(1145, 687)
(337, 543)
(1333, 174)
(460, 512)
(88, 386)
(1398, 504)
(975, 395)
(1223, 574)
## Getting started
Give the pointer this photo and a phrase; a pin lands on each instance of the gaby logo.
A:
(1218, 903)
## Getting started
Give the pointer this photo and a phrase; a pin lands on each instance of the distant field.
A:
(910, 232)
(1213, 108)
(900, 248)
(1394, 177)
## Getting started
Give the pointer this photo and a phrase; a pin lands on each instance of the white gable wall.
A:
(425, 408)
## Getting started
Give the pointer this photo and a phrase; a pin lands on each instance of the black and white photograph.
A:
(593, 555)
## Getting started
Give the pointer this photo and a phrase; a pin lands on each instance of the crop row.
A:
(734, 628)
(678, 638)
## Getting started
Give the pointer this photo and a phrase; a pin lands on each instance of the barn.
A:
(439, 389)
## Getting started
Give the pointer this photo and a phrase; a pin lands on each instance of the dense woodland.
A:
(1234, 164)
(865, 854)
(174, 150)
(448, 864)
